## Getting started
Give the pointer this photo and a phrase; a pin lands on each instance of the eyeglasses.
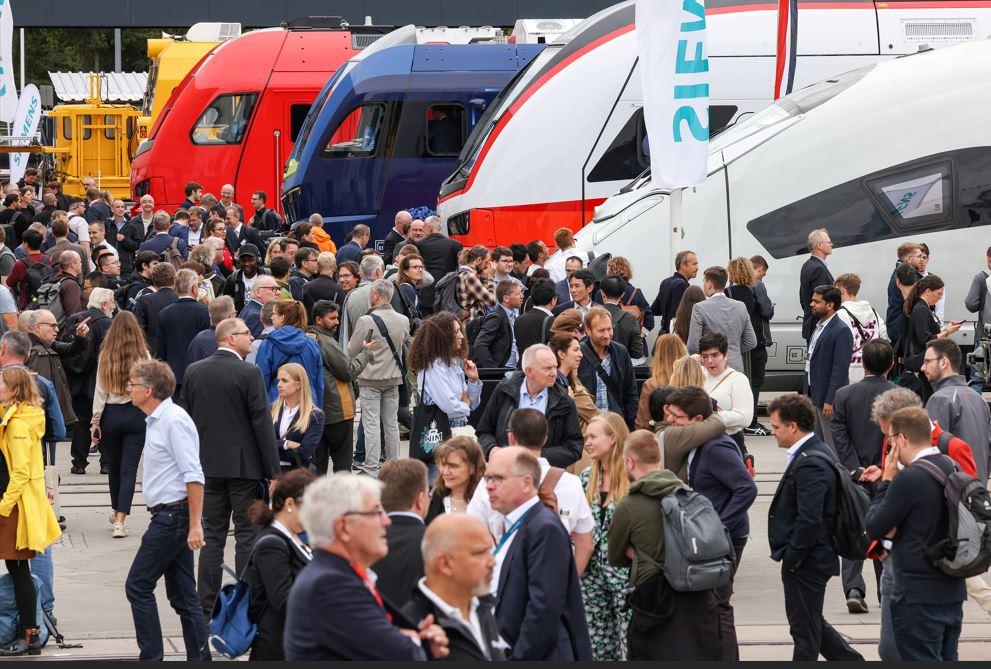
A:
(679, 416)
(131, 384)
(276, 288)
(498, 480)
(892, 436)
(710, 356)
(368, 514)
(51, 325)
(243, 332)
(416, 266)
(926, 361)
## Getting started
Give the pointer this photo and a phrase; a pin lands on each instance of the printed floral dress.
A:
(605, 589)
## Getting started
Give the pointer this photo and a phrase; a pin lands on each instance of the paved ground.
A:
(90, 568)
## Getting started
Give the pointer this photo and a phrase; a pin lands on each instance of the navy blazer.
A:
(829, 366)
(802, 511)
(178, 325)
(540, 610)
(494, 343)
(718, 472)
(248, 235)
(162, 241)
(331, 615)
(307, 440)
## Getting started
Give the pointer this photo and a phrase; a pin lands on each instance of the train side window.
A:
(67, 127)
(445, 130)
(224, 120)
(109, 132)
(358, 134)
(297, 116)
(916, 198)
(85, 121)
(627, 156)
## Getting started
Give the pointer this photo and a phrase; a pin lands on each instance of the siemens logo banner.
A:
(674, 69)
(25, 125)
(8, 94)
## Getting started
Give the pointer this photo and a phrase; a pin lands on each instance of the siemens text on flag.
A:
(25, 125)
(674, 68)
(8, 93)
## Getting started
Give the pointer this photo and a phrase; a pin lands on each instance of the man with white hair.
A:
(357, 303)
(440, 257)
(814, 273)
(379, 381)
(535, 387)
(458, 564)
(334, 611)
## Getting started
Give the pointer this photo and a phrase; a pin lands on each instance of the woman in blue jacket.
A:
(298, 421)
(288, 342)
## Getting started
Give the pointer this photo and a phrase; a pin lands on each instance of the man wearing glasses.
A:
(265, 289)
(815, 273)
(334, 610)
(226, 399)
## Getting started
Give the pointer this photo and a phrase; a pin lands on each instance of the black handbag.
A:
(431, 427)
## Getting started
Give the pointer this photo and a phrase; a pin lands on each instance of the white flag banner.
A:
(674, 69)
(8, 93)
(25, 125)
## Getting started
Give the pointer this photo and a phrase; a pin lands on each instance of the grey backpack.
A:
(698, 550)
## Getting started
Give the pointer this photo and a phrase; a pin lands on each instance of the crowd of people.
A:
(266, 379)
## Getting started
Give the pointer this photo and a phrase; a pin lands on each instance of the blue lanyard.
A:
(502, 540)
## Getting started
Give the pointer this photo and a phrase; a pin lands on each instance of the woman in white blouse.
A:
(729, 389)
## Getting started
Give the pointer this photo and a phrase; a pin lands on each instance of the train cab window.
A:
(110, 132)
(297, 116)
(445, 130)
(224, 120)
(67, 127)
(85, 121)
(628, 154)
(358, 134)
(915, 198)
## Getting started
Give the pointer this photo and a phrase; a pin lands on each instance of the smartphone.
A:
(957, 322)
(368, 337)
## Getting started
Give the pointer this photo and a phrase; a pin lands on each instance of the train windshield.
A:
(795, 104)
(512, 90)
(316, 110)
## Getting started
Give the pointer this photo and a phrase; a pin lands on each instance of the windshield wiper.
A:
(636, 181)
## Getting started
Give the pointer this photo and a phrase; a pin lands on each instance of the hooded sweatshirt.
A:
(637, 521)
(290, 344)
(865, 324)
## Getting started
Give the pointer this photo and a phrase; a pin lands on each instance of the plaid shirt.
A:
(601, 391)
(474, 296)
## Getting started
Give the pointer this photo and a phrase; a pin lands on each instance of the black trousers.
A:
(24, 594)
(222, 499)
(758, 364)
(804, 594)
(724, 609)
(122, 434)
(336, 447)
(81, 439)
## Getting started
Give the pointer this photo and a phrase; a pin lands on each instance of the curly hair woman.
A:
(118, 425)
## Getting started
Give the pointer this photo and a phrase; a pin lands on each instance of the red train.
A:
(235, 116)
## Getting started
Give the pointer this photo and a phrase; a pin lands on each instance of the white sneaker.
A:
(120, 530)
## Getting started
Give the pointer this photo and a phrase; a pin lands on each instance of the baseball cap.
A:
(248, 250)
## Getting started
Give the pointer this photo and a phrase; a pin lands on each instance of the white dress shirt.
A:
(797, 445)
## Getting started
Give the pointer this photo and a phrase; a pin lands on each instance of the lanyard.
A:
(502, 540)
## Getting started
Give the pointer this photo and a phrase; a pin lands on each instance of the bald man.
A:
(396, 236)
(458, 563)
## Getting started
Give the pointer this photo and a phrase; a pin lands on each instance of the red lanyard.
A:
(371, 588)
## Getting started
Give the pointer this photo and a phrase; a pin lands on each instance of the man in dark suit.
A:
(440, 257)
(581, 286)
(179, 323)
(495, 345)
(162, 240)
(239, 234)
(226, 398)
(334, 610)
(539, 610)
(148, 307)
(406, 498)
(458, 563)
(571, 265)
(858, 440)
(798, 523)
(96, 209)
(626, 329)
(827, 368)
(927, 615)
(396, 236)
(673, 288)
(909, 253)
(606, 369)
(814, 273)
(534, 327)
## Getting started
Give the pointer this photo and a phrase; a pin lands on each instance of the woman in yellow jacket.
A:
(27, 522)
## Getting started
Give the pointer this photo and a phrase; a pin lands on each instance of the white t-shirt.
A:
(79, 226)
(734, 398)
(249, 285)
(573, 509)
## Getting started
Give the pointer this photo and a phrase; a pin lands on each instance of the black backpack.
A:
(847, 532)
(446, 294)
(38, 273)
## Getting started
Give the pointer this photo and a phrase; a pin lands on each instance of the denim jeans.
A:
(927, 631)
(43, 567)
(887, 648)
(163, 552)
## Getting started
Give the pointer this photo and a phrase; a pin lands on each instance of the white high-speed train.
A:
(569, 131)
(893, 152)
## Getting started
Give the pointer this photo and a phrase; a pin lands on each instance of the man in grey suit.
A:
(858, 440)
(722, 314)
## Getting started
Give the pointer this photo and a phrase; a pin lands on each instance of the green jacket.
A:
(339, 374)
(637, 522)
(680, 440)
